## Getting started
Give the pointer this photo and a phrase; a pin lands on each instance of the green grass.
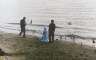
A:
(35, 50)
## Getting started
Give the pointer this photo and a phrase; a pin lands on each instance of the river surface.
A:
(80, 13)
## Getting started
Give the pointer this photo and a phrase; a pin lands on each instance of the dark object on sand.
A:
(31, 22)
(51, 31)
(56, 39)
(69, 23)
(93, 41)
(2, 53)
(22, 25)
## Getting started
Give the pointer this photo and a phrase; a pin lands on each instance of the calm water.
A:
(81, 13)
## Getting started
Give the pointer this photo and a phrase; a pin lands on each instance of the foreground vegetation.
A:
(59, 50)
(33, 49)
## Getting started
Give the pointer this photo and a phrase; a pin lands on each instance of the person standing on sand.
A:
(51, 31)
(31, 22)
(22, 26)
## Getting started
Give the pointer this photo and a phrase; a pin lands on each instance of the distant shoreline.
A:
(77, 41)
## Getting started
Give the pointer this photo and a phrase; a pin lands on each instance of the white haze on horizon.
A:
(79, 12)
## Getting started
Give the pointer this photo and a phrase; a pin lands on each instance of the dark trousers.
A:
(22, 31)
(51, 36)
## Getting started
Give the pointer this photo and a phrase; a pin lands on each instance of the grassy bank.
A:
(33, 49)
(59, 50)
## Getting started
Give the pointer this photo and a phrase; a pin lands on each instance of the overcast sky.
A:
(13, 10)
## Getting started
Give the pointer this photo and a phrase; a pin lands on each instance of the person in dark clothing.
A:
(31, 22)
(51, 31)
(22, 26)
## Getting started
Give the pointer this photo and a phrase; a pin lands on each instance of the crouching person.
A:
(44, 38)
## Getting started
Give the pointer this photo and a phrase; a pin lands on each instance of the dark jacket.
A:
(22, 23)
(52, 27)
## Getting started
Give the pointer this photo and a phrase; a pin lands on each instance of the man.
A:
(31, 22)
(51, 31)
(22, 25)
